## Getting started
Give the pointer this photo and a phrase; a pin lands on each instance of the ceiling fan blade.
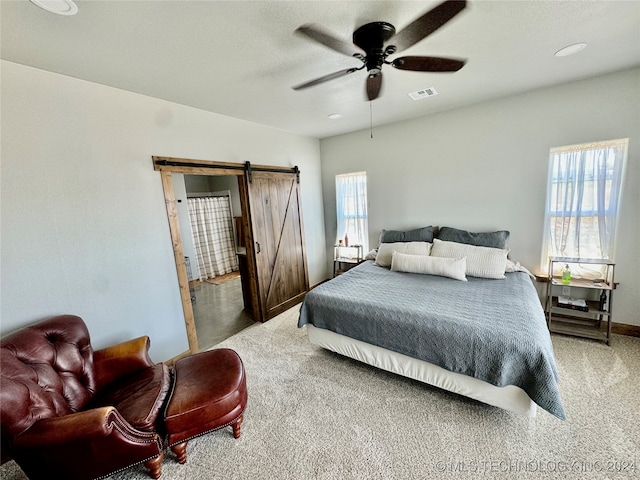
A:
(428, 64)
(427, 24)
(326, 39)
(374, 84)
(326, 78)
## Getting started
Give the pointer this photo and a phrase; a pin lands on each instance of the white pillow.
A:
(484, 262)
(385, 251)
(371, 255)
(444, 267)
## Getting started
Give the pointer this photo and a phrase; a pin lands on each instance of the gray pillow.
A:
(424, 234)
(498, 239)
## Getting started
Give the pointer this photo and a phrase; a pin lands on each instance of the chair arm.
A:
(89, 444)
(121, 359)
(83, 426)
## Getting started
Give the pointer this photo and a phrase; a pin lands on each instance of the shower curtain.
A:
(212, 229)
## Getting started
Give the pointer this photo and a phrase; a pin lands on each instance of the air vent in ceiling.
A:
(424, 93)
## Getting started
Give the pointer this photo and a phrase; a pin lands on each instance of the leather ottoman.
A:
(209, 393)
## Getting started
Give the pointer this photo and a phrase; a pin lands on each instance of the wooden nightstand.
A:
(579, 307)
(345, 258)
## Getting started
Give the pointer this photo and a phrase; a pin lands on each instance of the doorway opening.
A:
(207, 214)
(274, 258)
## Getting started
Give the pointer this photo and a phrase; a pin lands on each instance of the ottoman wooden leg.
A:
(155, 466)
(236, 427)
(180, 451)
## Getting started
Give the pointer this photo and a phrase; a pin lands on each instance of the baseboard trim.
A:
(625, 329)
(319, 283)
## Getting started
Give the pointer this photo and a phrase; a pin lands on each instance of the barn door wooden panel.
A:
(278, 241)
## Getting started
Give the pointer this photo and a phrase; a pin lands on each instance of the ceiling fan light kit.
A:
(379, 40)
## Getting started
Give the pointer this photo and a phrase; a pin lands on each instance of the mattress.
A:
(510, 398)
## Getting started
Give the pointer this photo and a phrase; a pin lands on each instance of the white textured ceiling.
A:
(241, 58)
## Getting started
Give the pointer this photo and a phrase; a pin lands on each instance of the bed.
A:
(482, 338)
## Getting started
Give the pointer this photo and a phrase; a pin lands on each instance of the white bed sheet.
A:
(510, 398)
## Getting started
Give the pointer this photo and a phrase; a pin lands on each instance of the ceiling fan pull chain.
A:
(371, 116)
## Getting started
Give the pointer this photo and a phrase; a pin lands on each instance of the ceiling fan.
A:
(379, 40)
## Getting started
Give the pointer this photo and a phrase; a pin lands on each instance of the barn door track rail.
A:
(177, 164)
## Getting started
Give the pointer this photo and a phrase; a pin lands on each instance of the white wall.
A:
(484, 167)
(229, 182)
(84, 227)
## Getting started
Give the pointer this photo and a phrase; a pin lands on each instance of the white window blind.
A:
(583, 198)
(351, 209)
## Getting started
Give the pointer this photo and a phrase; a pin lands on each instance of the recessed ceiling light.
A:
(335, 116)
(59, 7)
(570, 50)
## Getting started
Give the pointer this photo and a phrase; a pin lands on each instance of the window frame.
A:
(358, 213)
(593, 171)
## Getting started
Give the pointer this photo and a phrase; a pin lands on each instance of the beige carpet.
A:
(315, 415)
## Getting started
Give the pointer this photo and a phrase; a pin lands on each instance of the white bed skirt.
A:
(510, 398)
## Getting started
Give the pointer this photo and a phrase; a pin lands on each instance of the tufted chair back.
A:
(69, 411)
(47, 371)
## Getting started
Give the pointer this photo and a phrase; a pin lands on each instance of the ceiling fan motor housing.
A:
(371, 38)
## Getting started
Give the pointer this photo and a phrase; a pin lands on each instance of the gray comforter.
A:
(492, 330)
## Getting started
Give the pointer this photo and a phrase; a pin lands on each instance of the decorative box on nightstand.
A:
(580, 306)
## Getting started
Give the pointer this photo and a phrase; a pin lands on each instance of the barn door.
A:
(278, 241)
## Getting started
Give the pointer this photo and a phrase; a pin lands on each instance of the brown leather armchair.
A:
(70, 412)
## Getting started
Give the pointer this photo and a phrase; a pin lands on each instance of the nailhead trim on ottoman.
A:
(209, 393)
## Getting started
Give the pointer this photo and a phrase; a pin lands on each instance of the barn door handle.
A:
(258, 247)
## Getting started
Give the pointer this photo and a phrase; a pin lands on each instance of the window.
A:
(583, 194)
(351, 206)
